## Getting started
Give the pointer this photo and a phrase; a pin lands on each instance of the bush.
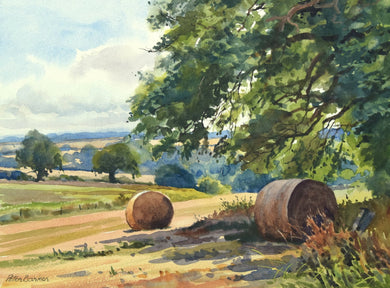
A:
(239, 205)
(121, 200)
(211, 186)
(349, 210)
(174, 176)
(15, 175)
(66, 178)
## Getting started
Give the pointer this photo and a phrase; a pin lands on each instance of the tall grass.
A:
(340, 257)
(238, 205)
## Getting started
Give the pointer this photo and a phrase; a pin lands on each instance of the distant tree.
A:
(39, 153)
(115, 157)
(86, 154)
(80, 160)
(174, 176)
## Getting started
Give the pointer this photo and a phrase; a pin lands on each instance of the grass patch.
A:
(75, 254)
(85, 252)
(355, 193)
(136, 244)
(21, 262)
(239, 205)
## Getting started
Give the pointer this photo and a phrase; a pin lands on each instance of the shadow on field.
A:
(232, 241)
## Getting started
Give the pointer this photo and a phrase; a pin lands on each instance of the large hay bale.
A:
(149, 210)
(283, 206)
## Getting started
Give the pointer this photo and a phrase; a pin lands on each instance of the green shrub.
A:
(121, 200)
(239, 205)
(349, 210)
(212, 186)
(66, 178)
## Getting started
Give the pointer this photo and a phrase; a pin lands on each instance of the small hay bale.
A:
(149, 210)
(283, 206)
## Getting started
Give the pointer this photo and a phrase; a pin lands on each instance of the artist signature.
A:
(26, 278)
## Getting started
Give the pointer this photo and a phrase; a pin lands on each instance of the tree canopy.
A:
(302, 86)
(114, 157)
(39, 153)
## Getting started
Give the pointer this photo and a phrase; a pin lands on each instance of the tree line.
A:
(42, 155)
(203, 171)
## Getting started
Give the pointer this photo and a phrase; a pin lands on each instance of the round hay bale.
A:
(283, 206)
(149, 210)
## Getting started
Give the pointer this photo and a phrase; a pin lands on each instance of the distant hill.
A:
(11, 139)
(70, 136)
(85, 135)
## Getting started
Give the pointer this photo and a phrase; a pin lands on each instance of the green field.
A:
(21, 201)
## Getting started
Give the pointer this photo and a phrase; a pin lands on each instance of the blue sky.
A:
(70, 65)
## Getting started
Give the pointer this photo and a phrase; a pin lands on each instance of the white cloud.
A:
(36, 101)
(118, 61)
(88, 95)
(70, 67)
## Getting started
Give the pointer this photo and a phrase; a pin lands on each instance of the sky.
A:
(70, 66)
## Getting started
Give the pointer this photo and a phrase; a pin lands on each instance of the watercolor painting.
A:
(202, 143)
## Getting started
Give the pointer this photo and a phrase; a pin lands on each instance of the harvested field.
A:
(212, 253)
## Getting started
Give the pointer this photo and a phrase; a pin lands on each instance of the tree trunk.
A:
(111, 177)
(40, 175)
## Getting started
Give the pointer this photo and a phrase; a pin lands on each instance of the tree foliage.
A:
(300, 85)
(116, 157)
(39, 153)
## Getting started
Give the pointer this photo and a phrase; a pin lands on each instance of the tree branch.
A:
(291, 13)
(309, 71)
(287, 18)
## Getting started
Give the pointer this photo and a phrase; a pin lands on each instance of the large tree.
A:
(39, 153)
(116, 157)
(301, 85)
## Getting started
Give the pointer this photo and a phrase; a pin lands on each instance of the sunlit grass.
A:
(356, 193)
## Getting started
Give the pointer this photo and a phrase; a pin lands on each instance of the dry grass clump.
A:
(346, 258)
